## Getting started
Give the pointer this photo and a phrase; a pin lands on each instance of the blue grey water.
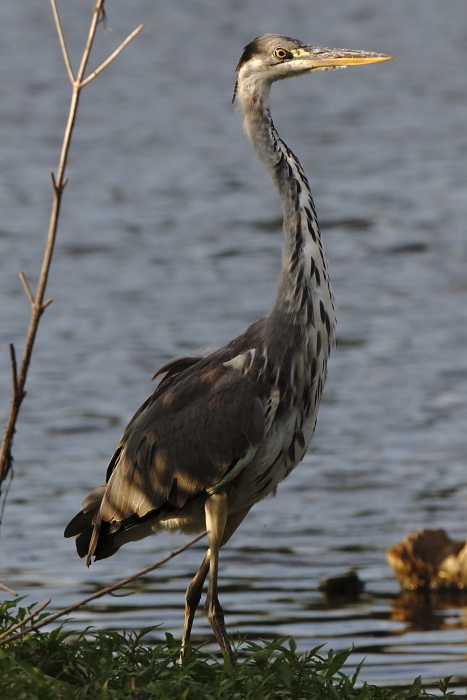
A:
(170, 240)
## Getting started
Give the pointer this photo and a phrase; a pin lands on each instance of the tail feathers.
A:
(89, 509)
(101, 545)
(92, 535)
(96, 537)
(104, 547)
(83, 540)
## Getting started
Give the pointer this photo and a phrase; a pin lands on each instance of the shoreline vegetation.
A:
(114, 665)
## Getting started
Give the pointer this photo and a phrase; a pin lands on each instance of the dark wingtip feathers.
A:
(78, 524)
(105, 544)
(82, 542)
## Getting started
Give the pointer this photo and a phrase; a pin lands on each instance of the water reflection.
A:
(430, 610)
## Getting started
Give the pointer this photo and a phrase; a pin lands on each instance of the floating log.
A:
(429, 560)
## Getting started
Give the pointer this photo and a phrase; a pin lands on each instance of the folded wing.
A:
(205, 418)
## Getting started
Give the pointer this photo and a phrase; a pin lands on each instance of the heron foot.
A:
(215, 616)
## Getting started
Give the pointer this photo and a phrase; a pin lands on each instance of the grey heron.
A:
(220, 432)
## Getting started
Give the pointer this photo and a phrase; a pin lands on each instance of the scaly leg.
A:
(216, 518)
(194, 590)
(192, 598)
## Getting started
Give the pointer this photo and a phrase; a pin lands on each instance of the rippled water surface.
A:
(170, 240)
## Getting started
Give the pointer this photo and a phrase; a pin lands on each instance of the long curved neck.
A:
(304, 298)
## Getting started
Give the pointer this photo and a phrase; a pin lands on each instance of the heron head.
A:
(274, 57)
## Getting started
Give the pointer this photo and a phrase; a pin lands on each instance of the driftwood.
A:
(429, 560)
(36, 300)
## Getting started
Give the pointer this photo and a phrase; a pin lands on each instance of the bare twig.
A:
(26, 288)
(112, 56)
(98, 594)
(58, 184)
(8, 590)
(5, 495)
(14, 370)
(26, 619)
(58, 27)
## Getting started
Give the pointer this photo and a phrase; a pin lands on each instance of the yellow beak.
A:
(334, 58)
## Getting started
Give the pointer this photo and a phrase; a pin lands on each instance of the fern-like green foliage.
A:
(109, 665)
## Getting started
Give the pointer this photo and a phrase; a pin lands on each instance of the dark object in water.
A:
(346, 586)
(429, 559)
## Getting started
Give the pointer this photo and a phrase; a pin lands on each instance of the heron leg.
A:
(216, 518)
(194, 590)
(192, 598)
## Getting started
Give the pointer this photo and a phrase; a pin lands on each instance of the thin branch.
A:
(98, 594)
(62, 42)
(112, 56)
(9, 473)
(26, 288)
(14, 370)
(26, 619)
(8, 590)
(58, 182)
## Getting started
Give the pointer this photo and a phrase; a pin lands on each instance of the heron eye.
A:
(281, 54)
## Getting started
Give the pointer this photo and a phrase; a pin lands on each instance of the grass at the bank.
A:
(111, 665)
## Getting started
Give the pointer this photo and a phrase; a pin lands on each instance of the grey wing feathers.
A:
(172, 369)
(184, 443)
(203, 419)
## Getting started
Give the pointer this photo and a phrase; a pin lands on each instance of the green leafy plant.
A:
(112, 665)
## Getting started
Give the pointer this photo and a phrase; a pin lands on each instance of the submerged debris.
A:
(347, 586)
